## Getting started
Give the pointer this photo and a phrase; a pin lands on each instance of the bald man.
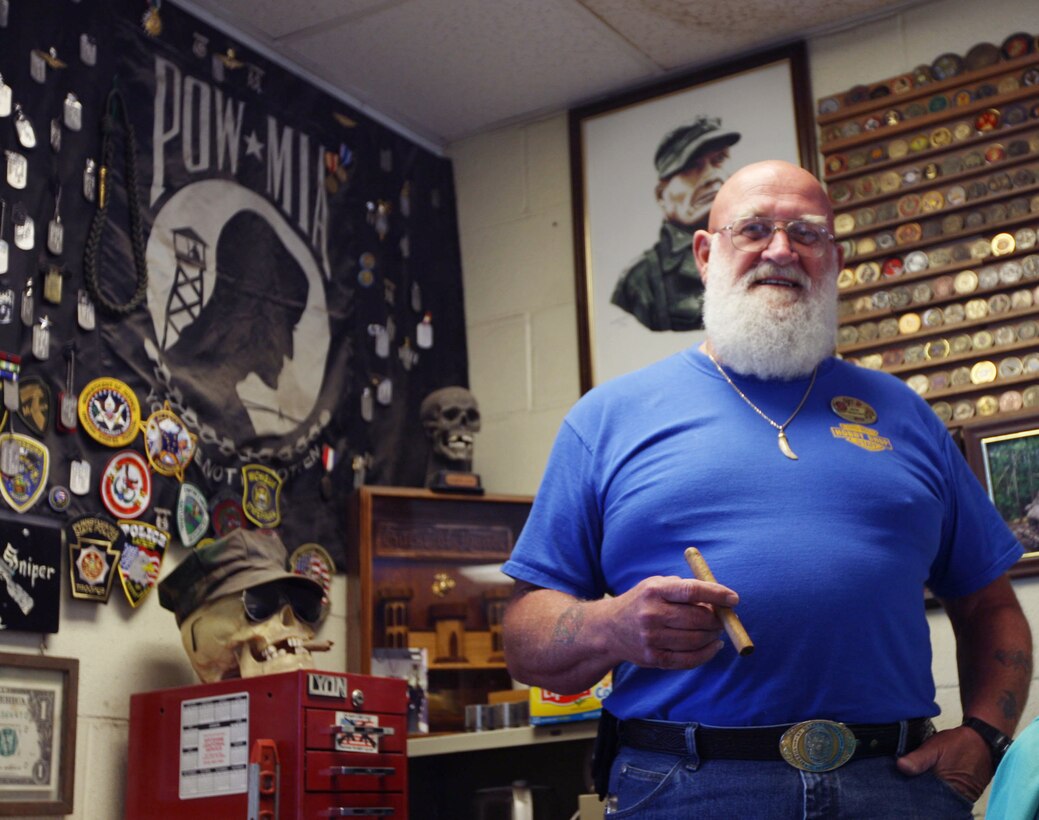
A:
(825, 498)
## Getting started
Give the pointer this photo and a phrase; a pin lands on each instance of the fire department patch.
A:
(141, 559)
(95, 546)
(34, 404)
(126, 486)
(192, 514)
(261, 488)
(23, 486)
(109, 412)
(168, 444)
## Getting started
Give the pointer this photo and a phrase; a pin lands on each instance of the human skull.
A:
(221, 642)
(451, 418)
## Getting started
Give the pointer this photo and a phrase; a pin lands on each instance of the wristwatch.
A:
(998, 743)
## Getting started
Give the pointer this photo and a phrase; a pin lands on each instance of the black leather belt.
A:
(814, 745)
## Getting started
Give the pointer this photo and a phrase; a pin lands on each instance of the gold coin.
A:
(976, 309)
(982, 249)
(890, 181)
(966, 281)
(843, 223)
(908, 323)
(867, 272)
(937, 349)
(846, 278)
(982, 340)
(987, 406)
(1002, 244)
(983, 372)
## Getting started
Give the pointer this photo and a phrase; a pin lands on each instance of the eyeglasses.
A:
(754, 233)
(267, 600)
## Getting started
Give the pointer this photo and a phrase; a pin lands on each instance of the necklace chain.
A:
(784, 445)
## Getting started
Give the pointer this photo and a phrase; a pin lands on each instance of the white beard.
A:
(767, 331)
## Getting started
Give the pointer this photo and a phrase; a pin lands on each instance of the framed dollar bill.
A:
(37, 734)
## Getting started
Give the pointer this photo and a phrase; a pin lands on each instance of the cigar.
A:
(317, 646)
(730, 620)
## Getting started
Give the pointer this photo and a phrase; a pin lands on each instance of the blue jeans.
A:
(659, 786)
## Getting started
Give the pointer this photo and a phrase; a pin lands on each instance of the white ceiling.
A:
(442, 70)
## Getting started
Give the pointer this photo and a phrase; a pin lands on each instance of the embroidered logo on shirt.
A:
(862, 437)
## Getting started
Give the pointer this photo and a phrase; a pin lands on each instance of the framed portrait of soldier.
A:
(645, 166)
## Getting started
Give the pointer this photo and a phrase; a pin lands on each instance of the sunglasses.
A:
(267, 600)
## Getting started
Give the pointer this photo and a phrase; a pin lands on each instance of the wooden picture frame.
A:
(38, 700)
(1004, 456)
(764, 97)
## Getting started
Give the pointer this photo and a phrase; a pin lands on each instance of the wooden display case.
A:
(424, 571)
(935, 187)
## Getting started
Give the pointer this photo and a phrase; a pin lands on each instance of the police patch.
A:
(95, 546)
(261, 488)
(141, 559)
(109, 412)
(21, 488)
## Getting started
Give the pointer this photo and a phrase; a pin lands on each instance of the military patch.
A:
(126, 485)
(141, 559)
(23, 487)
(261, 489)
(314, 562)
(192, 514)
(167, 442)
(35, 404)
(227, 516)
(95, 546)
(59, 498)
(863, 437)
(853, 410)
(109, 412)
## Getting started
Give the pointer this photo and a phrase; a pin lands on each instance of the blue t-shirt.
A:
(829, 554)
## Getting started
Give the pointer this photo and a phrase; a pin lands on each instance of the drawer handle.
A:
(360, 730)
(381, 771)
(370, 811)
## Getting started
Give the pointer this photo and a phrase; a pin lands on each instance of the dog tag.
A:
(424, 332)
(41, 339)
(382, 340)
(52, 277)
(68, 403)
(407, 355)
(28, 303)
(5, 8)
(384, 392)
(56, 237)
(12, 399)
(4, 253)
(416, 297)
(24, 228)
(5, 99)
(90, 180)
(405, 247)
(24, 129)
(6, 306)
(17, 170)
(55, 135)
(37, 66)
(87, 50)
(79, 477)
(85, 315)
(73, 109)
(367, 404)
(10, 456)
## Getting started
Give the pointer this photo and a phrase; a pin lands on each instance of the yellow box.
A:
(549, 707)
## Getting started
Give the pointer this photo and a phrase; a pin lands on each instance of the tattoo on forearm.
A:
(1016, 659)
(568, 625)
(1008, 705)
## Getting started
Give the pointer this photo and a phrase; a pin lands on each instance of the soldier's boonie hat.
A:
(681, 147)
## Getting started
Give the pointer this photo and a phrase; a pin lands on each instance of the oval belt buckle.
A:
(817, 745)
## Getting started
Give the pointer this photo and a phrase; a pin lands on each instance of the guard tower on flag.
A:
(185, 300)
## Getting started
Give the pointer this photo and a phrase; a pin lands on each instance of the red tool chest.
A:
(300, 744)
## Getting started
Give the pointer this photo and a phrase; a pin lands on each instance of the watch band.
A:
(997, 742)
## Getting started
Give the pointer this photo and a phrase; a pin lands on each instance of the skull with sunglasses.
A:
(240, 612)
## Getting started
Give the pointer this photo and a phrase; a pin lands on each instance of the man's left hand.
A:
(958, 756)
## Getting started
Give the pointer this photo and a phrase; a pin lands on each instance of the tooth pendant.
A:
(784, 447)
